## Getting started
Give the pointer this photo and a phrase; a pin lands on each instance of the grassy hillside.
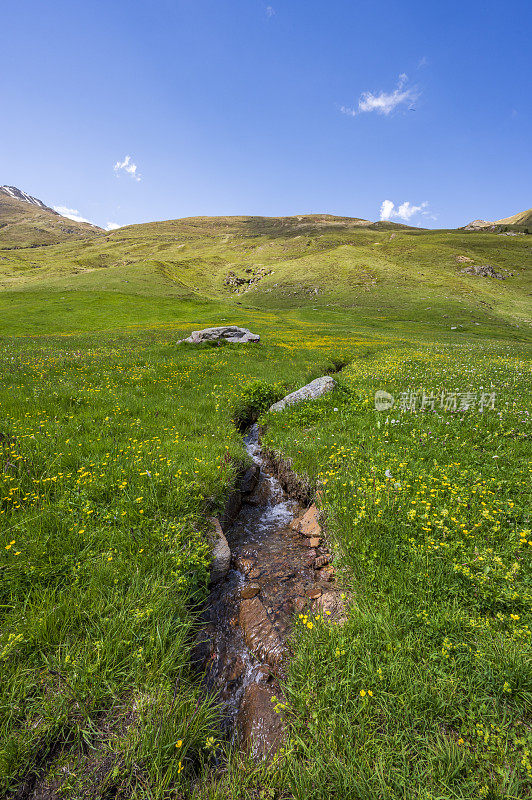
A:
(25, 225)
(380, 271)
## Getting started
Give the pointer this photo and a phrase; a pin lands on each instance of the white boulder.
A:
(311, 391)
(231, 333)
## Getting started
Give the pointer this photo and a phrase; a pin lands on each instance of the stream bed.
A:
(248, 615)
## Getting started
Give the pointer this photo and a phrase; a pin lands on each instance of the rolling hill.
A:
(377, 271)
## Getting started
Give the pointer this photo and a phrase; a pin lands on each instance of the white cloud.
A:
(384, 102)
(423, 62)
(404, 211)
(128, 166)
(270, 11)
(71, 213)
(112, 226)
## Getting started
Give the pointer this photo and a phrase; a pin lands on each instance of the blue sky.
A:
(273, 108)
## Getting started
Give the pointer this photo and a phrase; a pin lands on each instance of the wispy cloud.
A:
(127, 166)
(423, 62)
(71, 213)
(384, 102)
(404, 211)
(112, 226)
(270, 11)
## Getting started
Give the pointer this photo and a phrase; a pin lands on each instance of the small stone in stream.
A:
(249, 590)
(314, 542)
(261, 729)
(254, 574)
(259, 633)
(250, 479)
(325, 574)
(309, 522)
(314, 593)
(245, 565)
(299, 604)
(264, 674)
(321, 561)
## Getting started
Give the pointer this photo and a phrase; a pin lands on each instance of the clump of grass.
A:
(255, 398)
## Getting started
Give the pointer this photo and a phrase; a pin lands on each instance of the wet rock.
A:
(322, 560)
(311, 391)
(259, 634)
(314, 593)
(236, 670)
(299, 603)
(261, 729)
(264, 674)
(314, 542)
(249, 590)
(221, 554)
(254, 574)
(250, 479)
(229, 333)
(325, 574)
(244, 564)
(309, 525)
(232, 507)
(295, 524)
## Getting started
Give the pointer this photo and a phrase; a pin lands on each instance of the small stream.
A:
(248, 615)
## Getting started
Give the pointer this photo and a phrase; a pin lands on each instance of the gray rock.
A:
(229, 333)
(483, 271)
(311, 391)
(221, 553)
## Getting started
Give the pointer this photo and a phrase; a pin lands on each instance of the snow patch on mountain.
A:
(18, 194)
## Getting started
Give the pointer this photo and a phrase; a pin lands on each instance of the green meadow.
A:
(117, 444)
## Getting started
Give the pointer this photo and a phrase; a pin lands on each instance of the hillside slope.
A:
(376, 270)
(522, 218)
(26, 221)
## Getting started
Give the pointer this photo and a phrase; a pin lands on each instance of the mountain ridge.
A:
(25, 221)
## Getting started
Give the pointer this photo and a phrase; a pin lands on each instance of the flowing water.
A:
(248, 614)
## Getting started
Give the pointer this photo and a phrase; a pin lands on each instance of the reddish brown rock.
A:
(321, 561)
(261, 728)
(299, 603)
(313, 542)
(314, 592)
(325, 574)
(254, 574)
(309, 522)
(259, 634)
(249, 590)
(245, 565)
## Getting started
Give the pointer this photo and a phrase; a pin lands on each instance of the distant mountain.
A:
(18, 194)
(26, 221)
(523, 219)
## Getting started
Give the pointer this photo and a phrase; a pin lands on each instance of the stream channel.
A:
(247, 617)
